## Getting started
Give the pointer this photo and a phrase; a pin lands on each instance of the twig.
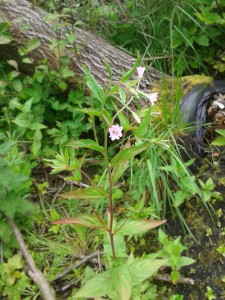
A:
(167, 278)
(35, 274)
(80, 184)
(57, 193)
(75, 266)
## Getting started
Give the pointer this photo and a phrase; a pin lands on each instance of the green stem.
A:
(110, 230)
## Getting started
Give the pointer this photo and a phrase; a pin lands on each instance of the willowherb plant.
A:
(123, 272)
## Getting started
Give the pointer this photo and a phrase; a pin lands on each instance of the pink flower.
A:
(153, 97)
(115, 132)
(140, 71)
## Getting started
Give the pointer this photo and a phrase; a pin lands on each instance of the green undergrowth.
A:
(85, 172)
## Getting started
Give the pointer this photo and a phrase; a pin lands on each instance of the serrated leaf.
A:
(88, 193)
(90, 144)
(139, 226)
(126, 154)
(86, 221)
(93, 85)
(143, 268)
(220, 141)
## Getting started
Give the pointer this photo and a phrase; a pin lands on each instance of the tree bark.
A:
(91, 48)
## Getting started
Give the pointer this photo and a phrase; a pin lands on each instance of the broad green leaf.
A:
(5, 40)
(175, 276)
(32, 44)
(139, 226)
(202, 40)
(17, 85)
(179, 198)
(93, 85)
(86, 221)
(126, 154)
(6, 147)
(98, 286)
(221, 132)
(88, 193)
(143, 268)
(143, 128)
(13, 75)
(90, 144)
(119, 244)
(14, 263)
(121, 282)
(220, 141)
(13, 63)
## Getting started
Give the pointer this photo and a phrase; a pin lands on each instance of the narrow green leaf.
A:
(126, 76)
(108, 68)
(122, 96)
(143, 128)
(90, 144)
(143, 268)
(126, 154)
(90, 111)
(139, 226)
(88, 193)
(94, 86)
(86, 221)
(186, 261)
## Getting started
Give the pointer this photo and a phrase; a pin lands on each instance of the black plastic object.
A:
(194, 107)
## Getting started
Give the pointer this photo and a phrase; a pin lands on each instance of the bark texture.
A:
(91, 49)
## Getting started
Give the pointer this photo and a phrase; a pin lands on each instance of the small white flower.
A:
(140, 71)
(115, 132)
(153, 97)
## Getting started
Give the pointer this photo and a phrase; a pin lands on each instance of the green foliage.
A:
(118, 282)
(14, 282)
(171, 251)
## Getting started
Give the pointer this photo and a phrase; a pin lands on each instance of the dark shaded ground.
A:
(209, 268)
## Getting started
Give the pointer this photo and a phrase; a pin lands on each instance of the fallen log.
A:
(92, 49)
